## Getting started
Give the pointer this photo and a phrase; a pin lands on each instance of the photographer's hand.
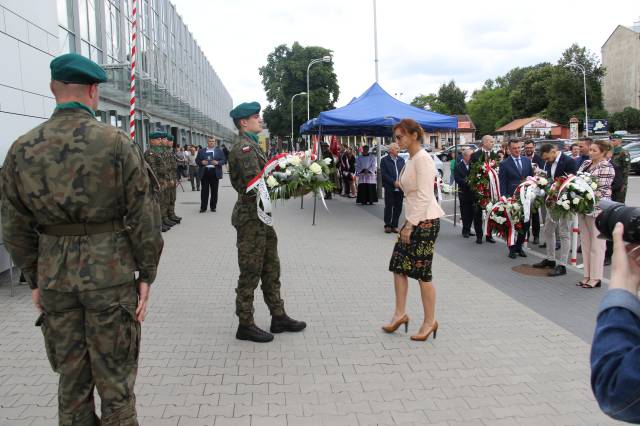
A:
(625, 269)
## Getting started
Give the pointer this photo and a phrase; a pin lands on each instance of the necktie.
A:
(519, 165)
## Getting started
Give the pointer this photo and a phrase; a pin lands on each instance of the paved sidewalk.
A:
(495, 361)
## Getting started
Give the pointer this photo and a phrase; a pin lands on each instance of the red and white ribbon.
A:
(494, 182)
(132, 89)
(258, 183)
(527, 191)
(438, 188)
(511, 232)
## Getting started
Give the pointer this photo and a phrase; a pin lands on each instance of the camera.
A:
(612, 213)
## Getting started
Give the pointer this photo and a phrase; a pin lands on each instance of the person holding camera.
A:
(615, 352)
(593, 248)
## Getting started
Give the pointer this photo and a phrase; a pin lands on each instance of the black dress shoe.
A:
(175, 218)
(284, 323)
(557, 246)
(543, 245)
(546, 263)
(165, 228)
(490, 240)
(472, 234)
(253, 333)
(479, 240)
(521, 253)
(203, 210)
(557, 271)
(536, 240)
(513, 255)
(607, 261)
(465, 235)
(213, 210)
(168, 223)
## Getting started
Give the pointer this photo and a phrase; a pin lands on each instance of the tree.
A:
(489, 108)
(285, 74)
(429, 102)
(449, 100)
(627, 119)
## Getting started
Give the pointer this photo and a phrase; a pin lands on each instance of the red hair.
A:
(409, 126)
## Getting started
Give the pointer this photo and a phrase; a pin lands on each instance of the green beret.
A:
(244, 110)
(74, 68)
(170, 137)
(156, 135)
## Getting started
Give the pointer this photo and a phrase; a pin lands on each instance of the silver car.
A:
(404, 154)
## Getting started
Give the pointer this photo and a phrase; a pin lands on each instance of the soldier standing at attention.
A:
(621, 162)
(79, 217)
(172, 163)
(154, 158)
(166, 180)
(257, 242)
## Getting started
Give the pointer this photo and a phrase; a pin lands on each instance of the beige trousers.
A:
(593, 248)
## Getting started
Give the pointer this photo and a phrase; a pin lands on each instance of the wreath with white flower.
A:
(572, 194)
(297, 174)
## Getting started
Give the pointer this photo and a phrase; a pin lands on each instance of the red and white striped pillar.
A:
(132, 89)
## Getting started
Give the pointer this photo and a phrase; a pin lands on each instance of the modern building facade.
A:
(178, 89)
(621, 59)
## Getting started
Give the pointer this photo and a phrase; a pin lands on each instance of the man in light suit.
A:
(557, 165)
(513, 170)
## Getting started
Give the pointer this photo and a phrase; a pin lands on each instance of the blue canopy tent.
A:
(373, 114)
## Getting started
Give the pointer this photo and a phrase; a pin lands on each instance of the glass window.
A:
(65, 14)
(66, 41)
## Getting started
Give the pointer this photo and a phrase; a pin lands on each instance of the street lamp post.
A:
(326, 58)
(584, 82)
(292, 98)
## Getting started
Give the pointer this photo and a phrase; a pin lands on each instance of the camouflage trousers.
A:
(165, 200)
(173, 192)
(258, 261)
(92, 340)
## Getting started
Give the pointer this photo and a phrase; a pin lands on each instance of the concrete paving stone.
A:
(417, 417)
(206, 379)
(190, 421)
(293, 409)
(375, 419)
(151, 410)
(8, 413)
(268, 421)
(211, 388)
(278, 398)
(250, 410)
(207, 410)
(297, 420)
(386, 406)
(226, 399)
(181, 411)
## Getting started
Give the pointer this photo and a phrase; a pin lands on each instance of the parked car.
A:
(634, 152)
(444, 154)
(404, 154)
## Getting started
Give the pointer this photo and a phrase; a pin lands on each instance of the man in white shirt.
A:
(557, 164)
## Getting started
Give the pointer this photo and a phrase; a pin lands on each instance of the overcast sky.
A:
(421, 44)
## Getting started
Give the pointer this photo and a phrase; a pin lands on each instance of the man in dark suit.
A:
(536, 161)
(465, 193)
(210, 161)
(513, 170)
(485, 153)
(556, 165)
(390, 167)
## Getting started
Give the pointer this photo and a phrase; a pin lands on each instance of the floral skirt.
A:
(415, 259)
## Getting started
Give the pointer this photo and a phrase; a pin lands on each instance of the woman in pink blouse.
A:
(593, 248)
(413, 253)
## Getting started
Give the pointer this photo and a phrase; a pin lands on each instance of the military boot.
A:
(168, 222)
(165, 228)
(175, 218)
(254, 333)
(284, 323)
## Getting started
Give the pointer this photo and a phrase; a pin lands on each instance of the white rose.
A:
(287, 172)
(575, 201)
(272, 182)
(327, 161)
(294, 160)
(315, 168)
(565, 206)
(589, 196)
(594, 185)
(543, 181)
(282, 163)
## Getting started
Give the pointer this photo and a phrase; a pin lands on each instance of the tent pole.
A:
(378, 175)
(315, 193)
(455, 198)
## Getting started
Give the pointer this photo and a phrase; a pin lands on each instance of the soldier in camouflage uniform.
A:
(79, 217)
(172, 164)
(257, 242)
(621, 162)
(154, 157)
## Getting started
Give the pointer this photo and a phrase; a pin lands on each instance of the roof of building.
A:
(635, 28)
(520, 123)
(465, 122)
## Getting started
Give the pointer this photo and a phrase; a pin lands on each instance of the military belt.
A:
(77, 229)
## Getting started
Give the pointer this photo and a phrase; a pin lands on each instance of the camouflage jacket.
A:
(621, 162)
(156, 161)
(246, 160)
(73, 169)
(170, 164)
